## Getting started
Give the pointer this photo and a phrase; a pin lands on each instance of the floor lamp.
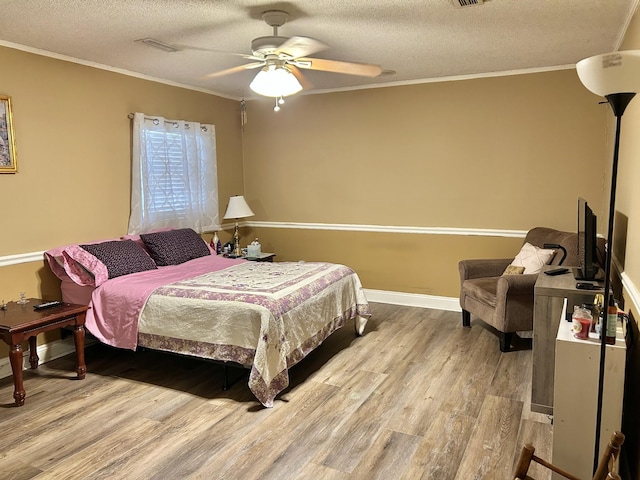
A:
(615, 76)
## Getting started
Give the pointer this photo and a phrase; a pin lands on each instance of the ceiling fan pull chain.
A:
(243, 113)
(277, 107)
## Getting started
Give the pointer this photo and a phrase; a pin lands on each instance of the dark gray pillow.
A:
(175, 246)
(121, 257)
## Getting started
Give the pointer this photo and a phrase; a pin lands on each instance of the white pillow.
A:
(533, 258)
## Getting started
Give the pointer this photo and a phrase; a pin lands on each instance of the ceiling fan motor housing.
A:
(262, 46)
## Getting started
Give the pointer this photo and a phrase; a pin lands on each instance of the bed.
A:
(167, 291)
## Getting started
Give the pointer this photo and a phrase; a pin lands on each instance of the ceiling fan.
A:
(280, 59)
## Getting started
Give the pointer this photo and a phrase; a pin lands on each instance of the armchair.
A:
(506, 301)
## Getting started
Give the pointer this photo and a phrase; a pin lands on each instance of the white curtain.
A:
(174, 175)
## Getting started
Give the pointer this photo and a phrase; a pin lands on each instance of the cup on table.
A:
(581, 327)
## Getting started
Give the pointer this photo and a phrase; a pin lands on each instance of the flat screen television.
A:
(588, 268)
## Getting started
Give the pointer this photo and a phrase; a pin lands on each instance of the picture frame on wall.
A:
(8, 162)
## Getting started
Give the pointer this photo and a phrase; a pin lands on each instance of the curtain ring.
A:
(187, 126)
(203, 128)
(156, 121)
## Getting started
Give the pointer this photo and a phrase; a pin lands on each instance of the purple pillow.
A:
(121, 257)
(175, 246)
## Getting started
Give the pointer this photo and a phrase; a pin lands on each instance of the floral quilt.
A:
(265, 316)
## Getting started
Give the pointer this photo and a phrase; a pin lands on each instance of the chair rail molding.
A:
(397, 298)
(7, 260)
(482, 232)
(632, 290)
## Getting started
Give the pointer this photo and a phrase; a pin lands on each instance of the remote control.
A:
(44, 305)
(587, 286)
(557, 271)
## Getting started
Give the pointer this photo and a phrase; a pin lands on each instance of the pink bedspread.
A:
(122, 298)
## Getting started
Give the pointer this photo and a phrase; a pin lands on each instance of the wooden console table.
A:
(549, 295)
(20, 322)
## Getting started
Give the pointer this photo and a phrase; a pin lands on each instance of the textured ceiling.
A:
(420, 39)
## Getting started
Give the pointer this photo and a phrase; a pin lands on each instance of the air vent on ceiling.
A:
(466, 3)
(152, 42)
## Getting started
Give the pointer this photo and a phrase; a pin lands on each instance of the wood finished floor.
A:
(417, 397)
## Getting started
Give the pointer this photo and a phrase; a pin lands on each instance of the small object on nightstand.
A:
(3, 305)
(23, 299)
(253, 249)
(45, 305)
(216, 245)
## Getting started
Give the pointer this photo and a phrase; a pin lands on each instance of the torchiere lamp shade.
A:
(609, 73)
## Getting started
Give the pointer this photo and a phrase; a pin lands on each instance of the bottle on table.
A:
(612, 319)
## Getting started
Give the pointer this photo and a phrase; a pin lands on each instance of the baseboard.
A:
(47, 352)
(413, 300)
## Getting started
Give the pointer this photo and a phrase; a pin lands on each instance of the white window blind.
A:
(174, 175)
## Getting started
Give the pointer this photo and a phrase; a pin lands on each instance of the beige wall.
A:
(73, 143)
(495, 153)
(395, 262)
(505, 153)
(74, 147)
(628, 191)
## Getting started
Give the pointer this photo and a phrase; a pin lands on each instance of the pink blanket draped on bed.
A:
(116, 304)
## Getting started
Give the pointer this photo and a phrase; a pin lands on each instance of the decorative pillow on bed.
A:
(136, 238)
(72, 263)
(120, 257)
(533, 258)
(175, 246)
(84, 268)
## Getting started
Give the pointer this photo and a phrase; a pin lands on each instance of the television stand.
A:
(550, 293)
(598, 277)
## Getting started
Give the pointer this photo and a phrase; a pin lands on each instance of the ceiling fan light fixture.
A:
(275, 81)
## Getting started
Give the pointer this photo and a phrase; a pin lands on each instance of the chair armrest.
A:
(482, 267)
(516, 285)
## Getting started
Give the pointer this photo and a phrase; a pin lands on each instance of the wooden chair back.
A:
(605, 470)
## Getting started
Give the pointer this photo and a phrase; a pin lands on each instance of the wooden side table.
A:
(20, 322)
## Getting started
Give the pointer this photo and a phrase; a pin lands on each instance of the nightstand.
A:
(263, 257)
(21, 322)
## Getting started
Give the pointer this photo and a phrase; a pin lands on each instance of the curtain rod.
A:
(172, 122)
(155, 120)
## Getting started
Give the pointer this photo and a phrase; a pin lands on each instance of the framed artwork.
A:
(8, 162)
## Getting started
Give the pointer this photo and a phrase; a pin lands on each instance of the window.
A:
(174, 175)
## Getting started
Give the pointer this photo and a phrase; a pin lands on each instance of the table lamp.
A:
(236, 209)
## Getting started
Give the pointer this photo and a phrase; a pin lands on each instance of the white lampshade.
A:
(609, 73)
(275, 81)
(238, 208)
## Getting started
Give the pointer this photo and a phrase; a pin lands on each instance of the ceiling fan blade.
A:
(202, 49)
(182, 47)
(301, 46)
(179, 47)
(239, 68)
(306, 84)
(349, 68)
